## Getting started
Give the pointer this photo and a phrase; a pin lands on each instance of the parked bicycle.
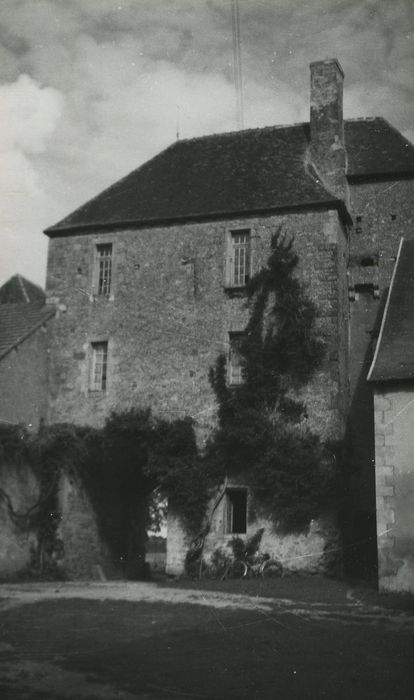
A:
(258, 565)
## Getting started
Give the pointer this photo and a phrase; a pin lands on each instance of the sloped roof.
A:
(394, 354)
(19, 290)
(19, 321)
(376, 149)
(22, 311)
(237, 173)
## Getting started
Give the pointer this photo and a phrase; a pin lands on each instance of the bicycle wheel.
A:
(271, 569)
(237, 569)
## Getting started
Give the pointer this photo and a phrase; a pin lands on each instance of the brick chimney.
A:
(327, 140)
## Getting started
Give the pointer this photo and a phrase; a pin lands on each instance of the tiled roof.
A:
(232, 172)
(394, 355)
(19, 290)
(18, 321)
(376, 149)
(238, 173)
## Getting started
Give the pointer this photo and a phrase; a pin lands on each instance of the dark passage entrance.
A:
(235, 520)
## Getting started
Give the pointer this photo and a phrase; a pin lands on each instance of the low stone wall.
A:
(394, 472)
(16, 544)
(84, 554)
(318, 550)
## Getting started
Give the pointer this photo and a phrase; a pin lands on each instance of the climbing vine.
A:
(120, 466)
(48, 453)
(263, 432)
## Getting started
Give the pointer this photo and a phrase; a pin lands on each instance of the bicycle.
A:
(259, 565)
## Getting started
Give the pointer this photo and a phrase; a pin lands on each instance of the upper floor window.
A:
(104, 268)
(99, 366)
(239, 262)
(236, 367)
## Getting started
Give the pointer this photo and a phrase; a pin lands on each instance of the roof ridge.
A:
(46, 315)
(269, 127)
(23, 288)
(385, 314)
(109, 188)
(364, 119)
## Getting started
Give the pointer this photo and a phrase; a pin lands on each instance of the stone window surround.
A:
(97, 241)
(94, 343)
(231, 232)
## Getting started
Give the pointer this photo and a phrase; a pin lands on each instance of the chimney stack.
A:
(327, 140)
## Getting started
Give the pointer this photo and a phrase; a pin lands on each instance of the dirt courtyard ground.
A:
(294, 638)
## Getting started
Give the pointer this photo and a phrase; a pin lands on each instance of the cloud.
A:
(117, 76)
(29, 114)
(28, 117)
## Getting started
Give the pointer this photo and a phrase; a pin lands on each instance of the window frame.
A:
(101, 385)
(238, 258)
(103, 287)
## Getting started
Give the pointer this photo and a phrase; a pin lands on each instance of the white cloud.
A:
(29, 115)
(127, 69)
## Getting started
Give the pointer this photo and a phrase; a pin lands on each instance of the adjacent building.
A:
(24, 321)
(392, 378)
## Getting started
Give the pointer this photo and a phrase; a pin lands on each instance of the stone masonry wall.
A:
(23, 381)
(383, 212)
(16, 544)
(316, 550)
(394, 447)
(169, 315)
(84, 555)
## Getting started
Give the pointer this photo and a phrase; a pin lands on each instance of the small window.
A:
(367, 262)
(236, 368)
(239, 258)
(104, 268)
(235, 511)
(359, 219)
(99, 366)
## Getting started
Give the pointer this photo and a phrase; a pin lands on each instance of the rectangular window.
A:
(99, 366)
(104, 268)
(235, 511)
(236, 370)
(240, 258)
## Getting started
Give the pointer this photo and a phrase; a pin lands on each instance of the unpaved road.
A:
(136, 641)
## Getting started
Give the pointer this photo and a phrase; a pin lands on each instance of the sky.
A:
(90, 89)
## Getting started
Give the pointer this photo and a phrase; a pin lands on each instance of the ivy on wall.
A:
(119, 466)
(48, 453)
(263, 433)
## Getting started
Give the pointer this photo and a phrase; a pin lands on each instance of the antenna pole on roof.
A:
(177, 132)
(237, 65)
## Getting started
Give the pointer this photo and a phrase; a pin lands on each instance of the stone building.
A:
(149, 276)
(24, 319)
(24, 323)
(392, 377)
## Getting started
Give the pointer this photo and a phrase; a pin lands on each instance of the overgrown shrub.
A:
(262, 433)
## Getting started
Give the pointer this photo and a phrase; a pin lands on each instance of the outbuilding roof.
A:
(20, 290)
(394, 354)
(22, 312)
(240, 172)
